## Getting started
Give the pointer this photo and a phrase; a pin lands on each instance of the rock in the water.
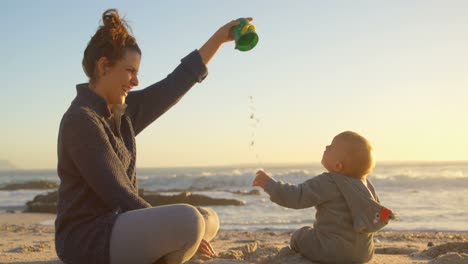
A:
(252, 192)
(31, 185)
(189, 198)
(43, 203)
(47, 203)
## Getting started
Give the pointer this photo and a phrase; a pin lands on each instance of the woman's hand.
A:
(223, 35)
(262, 179)
(205, 248)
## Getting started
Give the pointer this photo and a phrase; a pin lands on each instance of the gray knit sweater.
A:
(96, 164)
(338, 235)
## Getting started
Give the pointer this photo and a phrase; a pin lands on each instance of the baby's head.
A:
(349, 154)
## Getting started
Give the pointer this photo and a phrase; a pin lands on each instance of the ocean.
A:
(425, 196)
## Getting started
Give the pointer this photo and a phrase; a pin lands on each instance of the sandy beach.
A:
(25, 240)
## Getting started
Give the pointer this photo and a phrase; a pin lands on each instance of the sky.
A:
(393, 71)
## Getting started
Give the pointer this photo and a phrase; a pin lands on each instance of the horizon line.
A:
(281, 164)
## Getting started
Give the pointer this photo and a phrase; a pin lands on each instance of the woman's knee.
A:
(211, 222)
(190, 228)
(191, 223)
(174, 230)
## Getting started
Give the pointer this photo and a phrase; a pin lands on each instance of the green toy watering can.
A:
(245, 36)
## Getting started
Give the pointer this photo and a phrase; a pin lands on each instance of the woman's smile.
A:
(126, 89)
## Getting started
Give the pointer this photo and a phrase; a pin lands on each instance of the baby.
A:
(348, 209)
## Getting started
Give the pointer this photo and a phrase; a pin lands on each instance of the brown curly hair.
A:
(111, 40)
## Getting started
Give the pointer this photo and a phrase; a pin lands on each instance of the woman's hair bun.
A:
(110, 40)
(111, 18)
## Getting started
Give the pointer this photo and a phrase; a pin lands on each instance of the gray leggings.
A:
(170, 234)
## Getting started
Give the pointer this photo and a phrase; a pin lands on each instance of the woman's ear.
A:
(339, 166)
(102, 66)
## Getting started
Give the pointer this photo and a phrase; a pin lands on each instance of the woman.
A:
(101, 218)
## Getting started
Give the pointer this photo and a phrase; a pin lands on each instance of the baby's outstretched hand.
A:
(261, 179)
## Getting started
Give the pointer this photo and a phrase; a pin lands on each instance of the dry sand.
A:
(23, 240)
